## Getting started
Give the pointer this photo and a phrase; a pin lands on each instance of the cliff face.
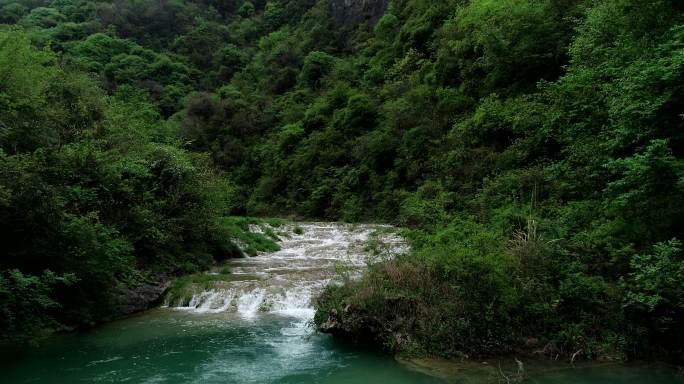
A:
(348, 12)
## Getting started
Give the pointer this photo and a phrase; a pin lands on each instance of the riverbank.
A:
(144, 288)
(466, 290)
(251, 324)
(172, 346)
(514, 370)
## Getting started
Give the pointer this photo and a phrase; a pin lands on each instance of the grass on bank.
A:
(252, 235)
(183, 288)
(250, 242)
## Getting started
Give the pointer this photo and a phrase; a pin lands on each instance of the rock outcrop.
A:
(357, 326)
(349, 12)
(143, 297)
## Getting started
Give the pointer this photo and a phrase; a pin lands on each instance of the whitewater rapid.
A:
(287, 281)
(253, 329)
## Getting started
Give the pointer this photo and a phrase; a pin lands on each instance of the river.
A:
(255, 328)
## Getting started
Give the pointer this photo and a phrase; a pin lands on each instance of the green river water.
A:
(165, 346)
(256, 330)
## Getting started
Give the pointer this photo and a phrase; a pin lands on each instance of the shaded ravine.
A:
(254, 328)
(251, 328)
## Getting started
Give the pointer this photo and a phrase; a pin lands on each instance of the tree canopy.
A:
(533, 148)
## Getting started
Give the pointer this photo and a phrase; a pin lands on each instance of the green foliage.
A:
(95, 192)
(28, 306)
(122, 62)
(246, 9)
(561, 144)
(534, 147)
(12, 12)
(24, 82)
(507, 43)
(202, 43)
(316, 65)
(654, 294)
(249, 241)
(386, 26)
(43, 17)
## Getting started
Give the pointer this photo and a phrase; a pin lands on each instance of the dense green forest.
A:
(533, 149)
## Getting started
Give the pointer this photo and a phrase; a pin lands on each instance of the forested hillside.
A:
(532, 147)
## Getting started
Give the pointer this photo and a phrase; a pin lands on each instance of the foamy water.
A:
(286, 282)
(254, 331)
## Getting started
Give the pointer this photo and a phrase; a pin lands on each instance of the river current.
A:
(256, 328)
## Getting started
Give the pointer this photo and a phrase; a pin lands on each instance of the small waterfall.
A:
(285, 282)
(250, 302)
